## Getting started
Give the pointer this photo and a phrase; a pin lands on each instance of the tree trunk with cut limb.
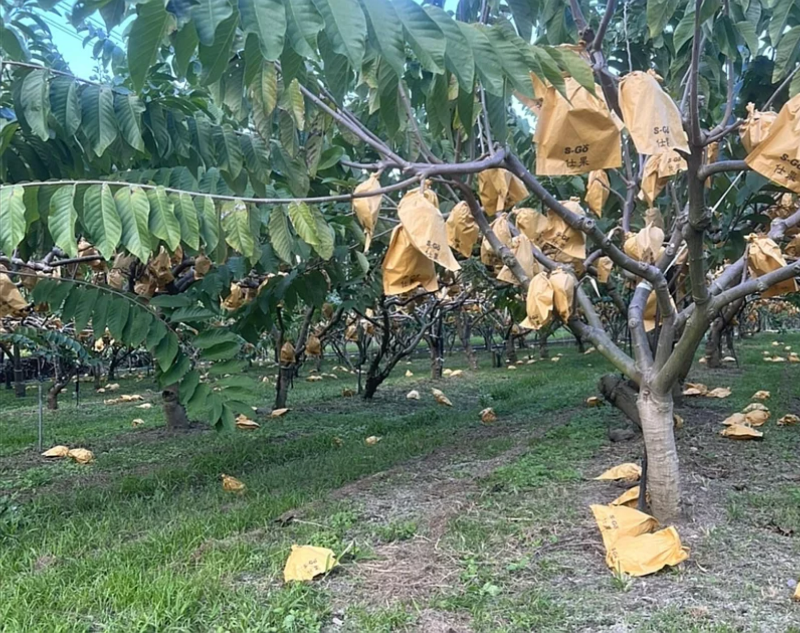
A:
(174, 412)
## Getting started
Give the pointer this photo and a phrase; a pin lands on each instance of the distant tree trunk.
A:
(116, 361)
(464, 327)
(511, 350)
(543, 336)
(97, 373)
(437, 362)
(174, 412)
(714, 344)
(19, 376)
(8, 369)
(60, 383)
(285, 377)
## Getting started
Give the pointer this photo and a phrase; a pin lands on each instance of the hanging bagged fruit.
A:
(462, 231)
(647, 245)
(502, 230)
(651, 116)
(405, 268)
(755, 127)
(368, 208)
(499, 190)
(11, 301)
(777, 157)
(563, 284)
(604, 265)
(539, 304)
(313, 345)
(287, 356)
(532, 224)
(764, 256)
(425, 227)
(653, 216)
(658, 169)
(558, 234)
(576, 135)
(597, 189)
(235, 299)
(522, 249)
(650, 313)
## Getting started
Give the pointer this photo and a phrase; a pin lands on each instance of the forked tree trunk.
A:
(464, 327)
(663, 477)
(437, 362)
(58, 386)
(174, 413)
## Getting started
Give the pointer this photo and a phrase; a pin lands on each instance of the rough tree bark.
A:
(60, 383)
(511, 350)
(663, 472)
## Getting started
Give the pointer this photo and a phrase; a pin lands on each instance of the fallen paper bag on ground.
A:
(81, 455)
(306, 562)
(627, 472)
(735, 418)
(757, 417)
(694, 389)
(719, 392)
(597, 190)
(647, 553)
(405, 268)
(462, 230)
(499, 190)
(790, 419)
(425, 227)
(368, 207)
(761, 394)
(741, 432)
(616, 522)
(56, 451)
(628, 498)
(441, 398)
(231, 484)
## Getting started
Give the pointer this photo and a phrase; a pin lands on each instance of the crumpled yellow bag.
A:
(558, 234)
(306, 562)
(604, 266)
(735, 418)
(522, 249)
(235, 299)
(695, 389)
(653, 216)
(597, 190)
(616, 522)
(57, 451)
(81, 455)
(160, 267)
(763, 256)
(626, 472)
(231, 484)
(757, 417)
(532, 224)
(502, 230)
(563, 284)
(368, 208)
(658, 169)
(646, 245)
(287, 355)
(313, 345)
(647, 553)
(790, 419)
(425, 227)
(405, 268)
(539, 303)
(462, 230)
(651, 116)
(576, 135)
(719, 392)
(777, 157)
(741, 432)
(499, 190)
(755, 127)
(628, 498)
(12, 302)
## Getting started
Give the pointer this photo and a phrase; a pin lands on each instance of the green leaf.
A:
(170, 301)
(177, 370)
(658, 14)
(133, 208)
(191, 313)
(64, 104)
(279, 235)
(485, 59)
(97, 112)
(388, 33)
(786, 56)
(215, 56)
(71, 303)
(524, 14)
(498, 117)
(61, 220)
(425, 37)
(389, 97)
(748, 32)
(162, 221)
(207, 15)
(229, 152)
(684, 32)
(35, 101)
(186, 213)
(129, 110)
(572, 63)
(166, 350)
(312, 228)
(197, 408)
(101, 219)
(145, 37)
(188, 385)
(794, 87)
(458, 53)
(509, 51)
(141, 320)
(296, 104)
(227, 367)
(346, 27)
(185, 43)
(85, 308)
(725, 37)
(236, 223)
(12, 218)
(303, 22)
(118, 311)
(777, 23)
(100, 314)
(267, 19)
(214, 336)
(222, 351)
(209, 221)
(256, 157)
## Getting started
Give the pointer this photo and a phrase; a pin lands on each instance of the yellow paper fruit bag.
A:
(287, 355)
(563, 284)
(646, 245)
(628, 498)
(777, 157)
(11, 301)
(313, 345)
(616, 522)
(658, 169)
(425, 227)
(462, 230)
(499, 190)
(532, 224)
(368, 208)
(558, 234)
(741, 432)
(539, 303)
(647, 553)
(764, 256)
(522, 249)
(502, 230)
(306, 562)
(626, 472)
(604, 266)
(231, 484)
(755, 127)
(651, 116)
(405, 268)
(597, 190)
(575, 135)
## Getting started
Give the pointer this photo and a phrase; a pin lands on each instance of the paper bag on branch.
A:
(532, 223)
(499, 190)
(604, 265)
(597, 190)
(368, 208)
(502, 230)
(12, 302)
(651, 116)
(287, 356)
(653, 216)
(764, 256)
(522, 249)
(650, 312)
(575, 135)
(539, 303)
(235, 299)
(755, 127)
(777, 157)
(658, 169)
(646, 245)
(558, 234)
(425, 227)
(313, 345)
(462, 230)
(563, 284)
(405, 268)
(647, 553)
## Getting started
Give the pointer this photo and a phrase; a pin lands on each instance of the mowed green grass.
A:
(145, 539)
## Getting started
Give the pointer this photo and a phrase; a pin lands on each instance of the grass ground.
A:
(449, 525)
